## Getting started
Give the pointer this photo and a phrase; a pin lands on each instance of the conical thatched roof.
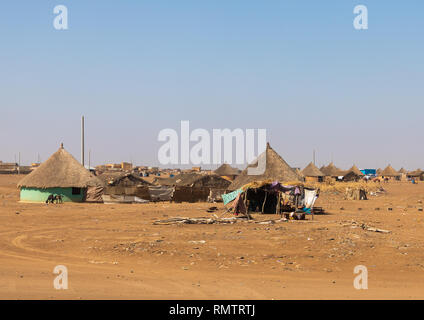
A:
(312, 171)
(61, 170)
(402, 170)
(331, 170)
(416, 173)
(389, 172)
(276, 169)
(378, 171)
(354, 170)
(227, 170)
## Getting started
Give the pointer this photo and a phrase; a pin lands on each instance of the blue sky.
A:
(296, 68)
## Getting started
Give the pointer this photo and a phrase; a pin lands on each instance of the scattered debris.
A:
(198, 242)
(203, 220)
(366, 227)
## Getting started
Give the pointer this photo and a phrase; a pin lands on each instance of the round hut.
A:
(312, 173)
(390, 173)
(61, 175)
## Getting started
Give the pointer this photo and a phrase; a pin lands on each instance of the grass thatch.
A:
(61, 170)
(276, 170)
(312, 171)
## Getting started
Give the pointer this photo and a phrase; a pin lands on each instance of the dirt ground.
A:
(115, 252)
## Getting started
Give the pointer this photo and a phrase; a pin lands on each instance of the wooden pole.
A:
(278, 209)
(263, 205)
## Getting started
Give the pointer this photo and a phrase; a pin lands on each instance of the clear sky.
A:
(296, 68)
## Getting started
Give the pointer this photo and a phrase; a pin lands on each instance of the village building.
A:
(276, 169)
(60, 175)
(227, 172)
(312, 173)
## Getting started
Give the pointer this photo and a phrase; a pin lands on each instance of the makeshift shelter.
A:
(60, 175)
(194, 187)
(312, 173)
(273, 197)
(390, 173)
(353, 174)
(124, 184)
(227, 172)
(276, 169)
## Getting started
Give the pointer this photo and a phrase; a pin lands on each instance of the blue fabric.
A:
(228, 197)
(307, 210)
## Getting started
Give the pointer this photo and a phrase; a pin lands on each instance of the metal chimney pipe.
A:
(82, 140)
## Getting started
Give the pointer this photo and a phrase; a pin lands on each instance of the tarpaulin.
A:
(228, 197)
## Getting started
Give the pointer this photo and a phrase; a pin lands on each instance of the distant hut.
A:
(276, 169)
(402, 171)
(353, 174)
(418, 175)
(390, 173)
(332, 171)
(312, 173)
(125, 184)
(61, 175)
(227, 172)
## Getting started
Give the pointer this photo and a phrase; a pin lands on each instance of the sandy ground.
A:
(115, 252)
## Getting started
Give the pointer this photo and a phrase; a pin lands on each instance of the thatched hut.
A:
(390, 173)
(402, 171)
(331, 171)
(276, 169)
(353, 174)
(312, 173)
(418, 175)
(61, 175)
(227, 172)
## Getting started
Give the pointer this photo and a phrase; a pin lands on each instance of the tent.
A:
(61, 174)
(194, 187)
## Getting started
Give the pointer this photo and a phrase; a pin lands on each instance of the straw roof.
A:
(276, 169)
(61, 170)
(227, 170)
(389, 172)
(331, 170)
(312, 171)
(416, 173)
(354, 170)
(402, 170)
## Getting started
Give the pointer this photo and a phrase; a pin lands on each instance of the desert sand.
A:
(115, 251)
